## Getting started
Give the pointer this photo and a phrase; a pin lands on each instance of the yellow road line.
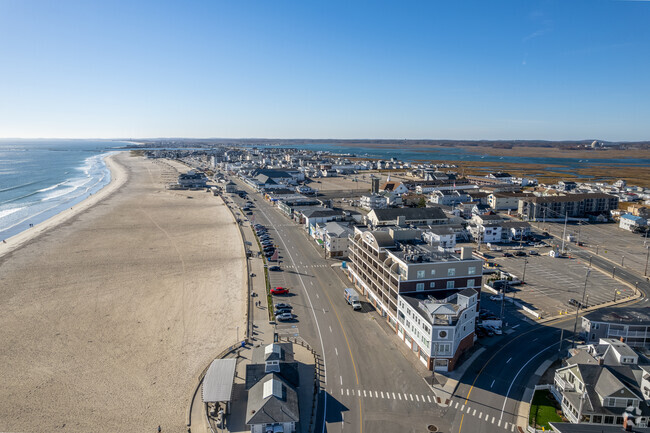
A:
(344, 335)
(461, 423)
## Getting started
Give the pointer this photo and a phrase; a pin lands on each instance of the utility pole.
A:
(647, 255)
(523, 277)
(559, 350)
(575, 325)
(623, 261)
(566, 218)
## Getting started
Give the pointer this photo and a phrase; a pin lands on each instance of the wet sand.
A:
(110, 316)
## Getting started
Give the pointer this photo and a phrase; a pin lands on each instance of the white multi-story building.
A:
(440, 328)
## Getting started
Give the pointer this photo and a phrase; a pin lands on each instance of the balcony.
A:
(563, 385)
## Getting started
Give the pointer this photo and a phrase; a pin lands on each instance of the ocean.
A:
(40, 178)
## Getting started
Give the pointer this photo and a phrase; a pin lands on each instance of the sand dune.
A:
(109, 317)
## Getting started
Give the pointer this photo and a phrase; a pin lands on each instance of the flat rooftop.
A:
(628, 316)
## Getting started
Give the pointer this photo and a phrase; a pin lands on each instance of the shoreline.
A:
(119, 177)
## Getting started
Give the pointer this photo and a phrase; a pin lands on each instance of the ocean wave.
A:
(51, 187)
(60, 193)
(18, 186)
(7, 212)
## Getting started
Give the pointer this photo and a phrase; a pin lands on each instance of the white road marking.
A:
(347, 392)
(509, 359)
(515, 327)
(492, 383)
(492, 420)
(337, 351)
(468, 409)
(456, 407)
(376, 394)
(480, 415)
(474, 413)
(399, 395)
(411, 397)
(341, 377)
(394, 396)
(324, 311)
(499, 423)
(487, 416)
(416, 397)
(341, 391)
(505, 399)
(506, 426)
(330, 328)
(311, 282)
(382, 394)
(429, 397)
(364, 392)
(462, 408)
(317, 296)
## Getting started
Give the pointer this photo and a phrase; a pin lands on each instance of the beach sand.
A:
(113, 309)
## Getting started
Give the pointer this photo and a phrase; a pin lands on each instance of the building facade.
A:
(571, 205)
(631, 325)
(388, 265)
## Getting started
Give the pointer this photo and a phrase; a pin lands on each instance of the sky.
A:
(450, 69)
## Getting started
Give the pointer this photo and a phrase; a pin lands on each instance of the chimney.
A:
(466, 253)
(401, 220)
(622, 339)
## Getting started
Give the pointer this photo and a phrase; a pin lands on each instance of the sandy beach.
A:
(112, 309)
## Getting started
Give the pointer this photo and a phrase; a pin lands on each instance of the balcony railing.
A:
(563, 385)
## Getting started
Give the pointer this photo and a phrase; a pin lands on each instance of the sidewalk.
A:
(261, 330)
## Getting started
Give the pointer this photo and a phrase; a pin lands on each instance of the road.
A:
(369, 384)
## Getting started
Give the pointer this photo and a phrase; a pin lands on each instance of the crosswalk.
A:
(428, 399)
(309, 266)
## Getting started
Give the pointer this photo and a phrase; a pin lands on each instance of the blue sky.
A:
(352, 69)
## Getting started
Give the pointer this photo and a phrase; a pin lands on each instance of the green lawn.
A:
(542, 410)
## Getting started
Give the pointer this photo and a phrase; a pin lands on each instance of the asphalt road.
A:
(369, 385)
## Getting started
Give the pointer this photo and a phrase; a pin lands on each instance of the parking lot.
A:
(607, 240)
(551, 282)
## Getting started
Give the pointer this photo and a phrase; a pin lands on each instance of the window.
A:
(471, 270)
(420, 274)
(433, 272)
(470, 282)
(419, 287)
(432, 285)
(450, 284)
(597, 419)
(609, 419)
(451, 272)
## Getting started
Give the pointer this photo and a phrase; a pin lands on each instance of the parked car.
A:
(480, 332)
(520, 253)
(496, 297)
(507, 255)
(533, 253)
(575, 303)
(275, 268)
(283, 305)
(280, 291)
(282, 311)
(284, 317)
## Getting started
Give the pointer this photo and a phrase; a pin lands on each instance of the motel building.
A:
(428, 295)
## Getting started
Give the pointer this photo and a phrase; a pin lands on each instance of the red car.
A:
(280, 291)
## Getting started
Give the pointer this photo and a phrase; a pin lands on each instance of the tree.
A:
(422, 202)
